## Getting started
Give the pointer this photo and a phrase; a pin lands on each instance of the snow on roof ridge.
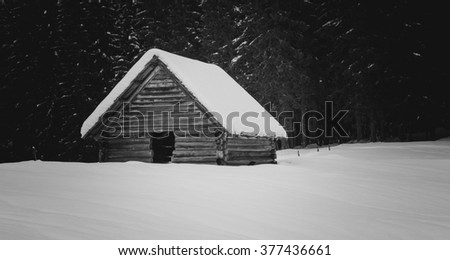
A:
(210, 85)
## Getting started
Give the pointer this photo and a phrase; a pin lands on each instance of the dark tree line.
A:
(383, 61)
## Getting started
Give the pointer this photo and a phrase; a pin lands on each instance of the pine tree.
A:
(220, 32)
(274, 59)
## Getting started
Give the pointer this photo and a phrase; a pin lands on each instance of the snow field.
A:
(357, 191)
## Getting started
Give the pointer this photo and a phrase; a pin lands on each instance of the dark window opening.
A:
(162, 145)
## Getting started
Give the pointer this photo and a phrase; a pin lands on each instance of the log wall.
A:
(195, 150)
(161, 104)
(152, 105)
(129, 149)
(239, 150)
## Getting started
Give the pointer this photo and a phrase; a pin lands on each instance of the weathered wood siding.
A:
(239, 150)
(129, 149)
(195, 150)
(156, 107)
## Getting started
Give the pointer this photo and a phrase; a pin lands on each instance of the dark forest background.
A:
(384, 61)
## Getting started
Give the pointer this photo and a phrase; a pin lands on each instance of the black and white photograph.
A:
(224, 120)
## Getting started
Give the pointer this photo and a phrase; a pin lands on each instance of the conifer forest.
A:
(383, 61)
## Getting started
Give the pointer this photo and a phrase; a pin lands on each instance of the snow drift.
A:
(358, 191)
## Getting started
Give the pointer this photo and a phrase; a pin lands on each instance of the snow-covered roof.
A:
(210, 84)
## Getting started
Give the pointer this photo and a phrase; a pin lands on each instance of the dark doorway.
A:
(162, 145)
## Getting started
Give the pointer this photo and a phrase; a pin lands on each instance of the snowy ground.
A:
(357, 191)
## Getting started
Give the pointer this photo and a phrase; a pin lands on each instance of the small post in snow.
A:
(34, 153)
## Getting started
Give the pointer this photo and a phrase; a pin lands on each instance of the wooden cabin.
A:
(170, 108)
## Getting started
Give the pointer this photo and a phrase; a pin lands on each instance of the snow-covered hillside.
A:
(357, 191)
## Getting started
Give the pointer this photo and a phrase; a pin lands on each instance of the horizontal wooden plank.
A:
(194, 153)
(160, 91)
(159, 99)
(143, 130)
(183, 104)
(196, 139)
(212, 150)
(119, 141)
(260, 148)
(151, 86)
(233, 154)
(146, 132)
(249, 155)
(168, 106)
(131, 147)
(204, 159)
(160, 120)
(249, 141)
(125, 133)
(125, 143)
(204, 132)
(249, 162)
(160, 81)
(161, 76)
(161, 96)
(249, 159)
(143, 113)
(194, 144)
(158, 117)
(172, 101)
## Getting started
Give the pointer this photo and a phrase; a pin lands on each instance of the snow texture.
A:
(354, 191)
(213, 88)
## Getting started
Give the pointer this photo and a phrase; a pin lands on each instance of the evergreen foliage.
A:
(383, 61)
